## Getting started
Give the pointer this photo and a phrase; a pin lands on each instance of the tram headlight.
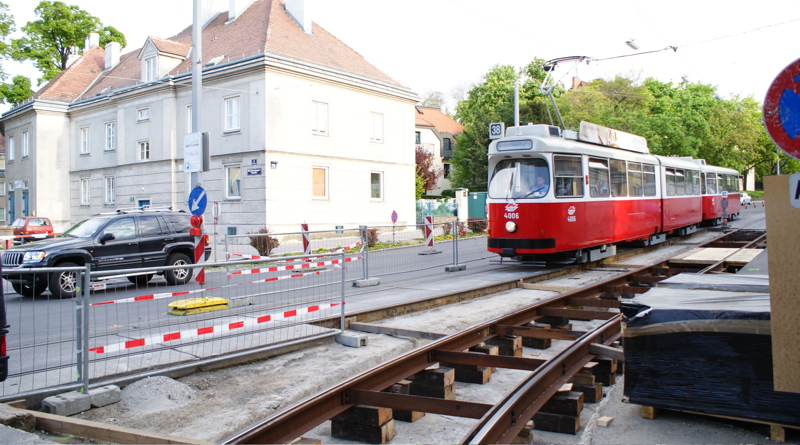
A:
(511, 226)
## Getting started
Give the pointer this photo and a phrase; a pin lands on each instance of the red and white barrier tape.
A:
(178, 294)
(290, 267)
(218, 329)
(272, 258)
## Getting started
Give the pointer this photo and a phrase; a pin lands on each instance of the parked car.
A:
(120, 240)
(745, 198)
(3, 332)
(29, 228)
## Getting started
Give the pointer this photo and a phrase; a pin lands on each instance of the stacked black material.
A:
(704, 351)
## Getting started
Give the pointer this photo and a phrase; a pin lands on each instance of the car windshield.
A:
(86, 228)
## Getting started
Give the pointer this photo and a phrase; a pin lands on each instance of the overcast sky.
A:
(440, 45)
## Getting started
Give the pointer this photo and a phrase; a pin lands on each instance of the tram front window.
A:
(520, 178)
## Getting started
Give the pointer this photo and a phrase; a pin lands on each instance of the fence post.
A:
(82, 326)
(366, 281)
(341, 322)
(455, 267)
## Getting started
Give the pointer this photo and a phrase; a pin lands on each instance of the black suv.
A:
(125, 239)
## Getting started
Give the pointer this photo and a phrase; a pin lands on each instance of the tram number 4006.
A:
(511, 215)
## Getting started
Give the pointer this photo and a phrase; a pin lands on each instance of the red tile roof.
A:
(263, 28)
(429, 116)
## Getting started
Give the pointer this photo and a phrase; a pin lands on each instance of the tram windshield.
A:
(520, 178)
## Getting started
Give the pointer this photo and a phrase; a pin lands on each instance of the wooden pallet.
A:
(777, 432)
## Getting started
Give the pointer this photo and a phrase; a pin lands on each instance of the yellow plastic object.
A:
(197, 305)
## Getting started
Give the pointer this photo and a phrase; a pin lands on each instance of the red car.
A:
(31, 228)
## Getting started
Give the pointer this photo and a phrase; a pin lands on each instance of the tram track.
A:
(503, 421)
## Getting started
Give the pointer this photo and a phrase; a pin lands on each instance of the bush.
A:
(447, 229)
(372, 237)
(477, 225)
(263, 243)
(449, 193)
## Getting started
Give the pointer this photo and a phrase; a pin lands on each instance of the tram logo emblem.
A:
(511, 207)
(571, 213)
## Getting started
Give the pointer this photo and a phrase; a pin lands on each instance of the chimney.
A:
(73, 55)
(300, 13)
(112, 55)
(92, 41)
(236, 8)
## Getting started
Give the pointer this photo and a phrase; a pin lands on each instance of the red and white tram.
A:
(574, 195)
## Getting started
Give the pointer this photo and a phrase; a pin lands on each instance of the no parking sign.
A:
(782, 110)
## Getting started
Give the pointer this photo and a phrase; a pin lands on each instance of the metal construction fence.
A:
(132, 322)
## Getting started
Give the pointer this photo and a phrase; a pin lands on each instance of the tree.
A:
(427, 172)
(7, 26)
(60, 29)
(493, 101)
(17, 91)
(434, 99)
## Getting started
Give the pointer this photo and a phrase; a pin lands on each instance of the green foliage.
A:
(419, 183)
(17, 91)
(493, 101)
(434, 99)
(50, 40)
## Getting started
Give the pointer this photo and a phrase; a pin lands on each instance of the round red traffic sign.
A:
(782, 110)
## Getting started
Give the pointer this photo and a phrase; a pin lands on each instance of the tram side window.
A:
(598, 178)
(619, 179)
(698, 183)
(711, 183)
(670, 177)
(568, 175)
(690, 182)
(680, 183)
(649, 177)
(635, 179)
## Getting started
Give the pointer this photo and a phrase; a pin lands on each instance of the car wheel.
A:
(140, 280)
(178, 276)
(64, 284)
(30, 290)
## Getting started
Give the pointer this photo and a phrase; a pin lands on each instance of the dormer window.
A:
(150, 69)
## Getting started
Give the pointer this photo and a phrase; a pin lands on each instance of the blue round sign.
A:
(394, 216)
(197, 201)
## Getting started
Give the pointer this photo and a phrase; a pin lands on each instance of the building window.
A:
(110, 190)
(3, 215)
(10, 148)
(376, 130)
(111, 136)
(26, 151)
(2, 188)
(85, 187)
(319, 187)
(150, 71)
(233, 177)
(232, 114)
(319, 119)
(446, 170)
(417, 137)
(84, 140)
(2, 161)
(143, 114)
(376, 186)
(143, 151)
(189, 126)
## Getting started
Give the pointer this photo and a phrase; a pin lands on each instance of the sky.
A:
(447, 45)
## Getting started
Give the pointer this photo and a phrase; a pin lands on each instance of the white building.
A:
(435, 132)
(301, 129)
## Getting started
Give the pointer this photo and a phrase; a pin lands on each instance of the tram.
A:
(574, 195)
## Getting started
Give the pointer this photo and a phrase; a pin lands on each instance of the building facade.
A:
(301, 129)
(435, 132)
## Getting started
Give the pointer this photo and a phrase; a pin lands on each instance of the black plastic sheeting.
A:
(704, 351)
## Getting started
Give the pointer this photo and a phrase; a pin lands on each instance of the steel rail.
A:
(498, 423)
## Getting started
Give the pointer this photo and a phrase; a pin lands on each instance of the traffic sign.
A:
(197, 201)
(394, 216)
(782, 110)
(496, 130)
